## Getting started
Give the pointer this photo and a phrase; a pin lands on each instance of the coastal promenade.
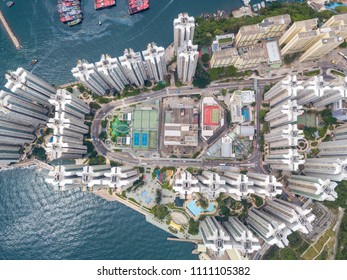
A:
(9, 31)
(31, 162)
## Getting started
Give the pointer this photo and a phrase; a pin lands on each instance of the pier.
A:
(9, 31)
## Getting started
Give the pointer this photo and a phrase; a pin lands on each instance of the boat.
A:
(67, 9)
(34, 61)
(262, 4)
(70, 18)
(100, 22)
(9, 3)
(74, 22)
(70, 11)
(101, 4)
(137, 6)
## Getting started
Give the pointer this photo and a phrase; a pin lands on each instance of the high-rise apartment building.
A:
(334, 169)
(285, 159)
(242, 239)
(133, 67)
(111, 71)
(154, 58)
(68, 126)
(88, 75)
(265, 185)
(272, 230)
(27, 86)
(287, 135)
(185, 183)
(184, 27)
(312, 187)
(295, 217)
(187, 60)
(92, 177)
(214, 236)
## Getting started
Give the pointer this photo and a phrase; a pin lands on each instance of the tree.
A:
(201, 78)
(193, 227)
(158, 196)
(160, 211)
(205, 58)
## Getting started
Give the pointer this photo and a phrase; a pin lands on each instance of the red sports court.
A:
(211, 115)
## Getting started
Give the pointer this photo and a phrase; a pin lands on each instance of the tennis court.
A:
(211, 115)
(136, 139)
(144, 141)
(145, 127)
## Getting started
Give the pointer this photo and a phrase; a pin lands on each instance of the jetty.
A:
(9, 31)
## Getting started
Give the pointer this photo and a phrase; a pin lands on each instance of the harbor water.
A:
(35, 221)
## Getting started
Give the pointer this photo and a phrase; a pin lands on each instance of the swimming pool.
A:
(245, 113)
(196, 210)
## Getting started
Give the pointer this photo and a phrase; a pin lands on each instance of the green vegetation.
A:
(103, 136)
(338, 73)
(289, 58)
(115, 163)
(201, 78)
(309, 133)
(203, 202)
(39, 153)
(314, 144)
(104, 123)
(327, 117)
(178, 83)
(94, 105)
(158, 196)
(205, 58)
(341, 9)
(81, 88)
(262, 115)
(341, 253)
(258, 200)
(90, 146)
(224, 210)
(159, 86)
(341, 200)
(103, 100)
(207, 29)
(160, 211)
(69, 89)
(312, 73)
(296, 247)
(193, 227)
(98, 160)
(222, 72)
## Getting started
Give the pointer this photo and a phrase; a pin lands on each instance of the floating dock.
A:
(9, 31)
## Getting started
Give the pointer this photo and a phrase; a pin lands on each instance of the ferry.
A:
(101, 4)
(137, 6)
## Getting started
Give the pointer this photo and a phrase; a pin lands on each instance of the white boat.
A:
(100, 22)
(262, 4)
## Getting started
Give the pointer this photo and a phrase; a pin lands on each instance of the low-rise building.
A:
(240, 106)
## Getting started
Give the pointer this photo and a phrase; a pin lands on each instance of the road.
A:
(254, 161)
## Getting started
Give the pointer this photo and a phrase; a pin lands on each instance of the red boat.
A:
(136, 6)
(101, 4)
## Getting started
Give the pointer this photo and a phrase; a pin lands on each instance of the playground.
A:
(211, 115)
(118, 128)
